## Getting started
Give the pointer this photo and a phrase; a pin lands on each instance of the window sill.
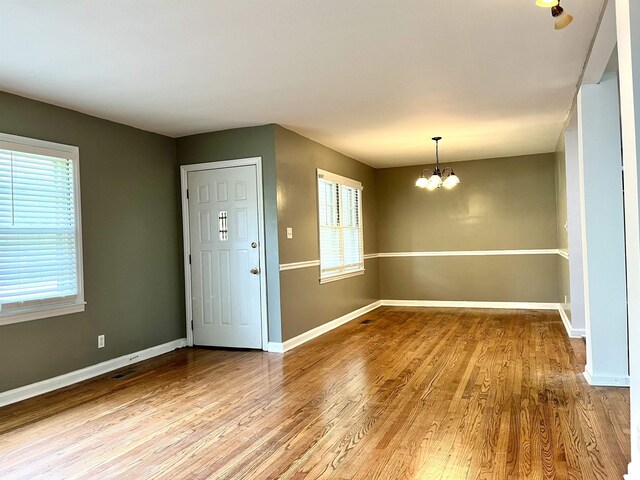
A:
(342, 276)
(27, 315)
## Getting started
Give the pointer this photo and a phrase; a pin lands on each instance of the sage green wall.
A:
(132, 233)
(507, 278)
(305, 303)
(243, 143)
(131, 243)
(501, 204)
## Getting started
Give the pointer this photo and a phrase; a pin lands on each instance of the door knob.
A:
(254, 271)
(254, 245)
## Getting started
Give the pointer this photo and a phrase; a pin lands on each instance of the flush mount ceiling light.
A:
(439, 178)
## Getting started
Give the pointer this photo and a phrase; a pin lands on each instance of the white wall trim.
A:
(634, 472)
(276, 347)
(465, 253)
(341, 276)
(335, 178)
(44, 386)
(314, 263)
(466, 304)
(296, 265)
(53, 310)
(449, 253)
(324, 328)
(572, 332)
(604, 380)
(186, 242)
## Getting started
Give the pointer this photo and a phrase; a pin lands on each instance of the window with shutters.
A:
(40, 234)
(340, 227)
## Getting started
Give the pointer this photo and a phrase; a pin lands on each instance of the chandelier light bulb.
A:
(435, 181)
(432, 186)
(451, 181)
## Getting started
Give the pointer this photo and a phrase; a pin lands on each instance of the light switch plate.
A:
(100, 341)
(289, 232)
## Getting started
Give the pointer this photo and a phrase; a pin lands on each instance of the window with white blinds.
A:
(40, 254)
(340, 226)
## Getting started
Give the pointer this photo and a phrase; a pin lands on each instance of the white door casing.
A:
(224, 280)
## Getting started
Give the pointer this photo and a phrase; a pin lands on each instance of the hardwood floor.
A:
(407, 394)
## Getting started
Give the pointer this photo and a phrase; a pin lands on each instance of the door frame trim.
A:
(240, 162)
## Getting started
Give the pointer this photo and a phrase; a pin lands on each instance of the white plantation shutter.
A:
(340, 225)
(330, 251)
(38, 230)
(351, 228)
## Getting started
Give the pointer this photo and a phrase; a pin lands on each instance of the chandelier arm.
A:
(438, 177)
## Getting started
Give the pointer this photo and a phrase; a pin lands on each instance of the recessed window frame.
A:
(342, 273)
(77, 304)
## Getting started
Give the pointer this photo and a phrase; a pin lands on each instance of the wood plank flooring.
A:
(409, 394)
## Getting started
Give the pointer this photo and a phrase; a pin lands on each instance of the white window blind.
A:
(38, 230)
(340, 224)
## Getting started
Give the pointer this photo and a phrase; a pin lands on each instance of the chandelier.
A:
(439, 178)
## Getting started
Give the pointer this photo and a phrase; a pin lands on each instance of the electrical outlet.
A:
(100, 341)
(565, 299)
(289, 232)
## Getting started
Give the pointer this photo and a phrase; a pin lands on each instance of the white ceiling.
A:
(370, 78)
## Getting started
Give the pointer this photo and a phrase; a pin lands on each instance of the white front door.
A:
(223, 231)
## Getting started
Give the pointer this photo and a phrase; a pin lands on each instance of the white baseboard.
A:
(465, 304)
(634, 471)
(605, 380)
(276, 347)
(572, 332)
(44, 386)
(316, 332)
